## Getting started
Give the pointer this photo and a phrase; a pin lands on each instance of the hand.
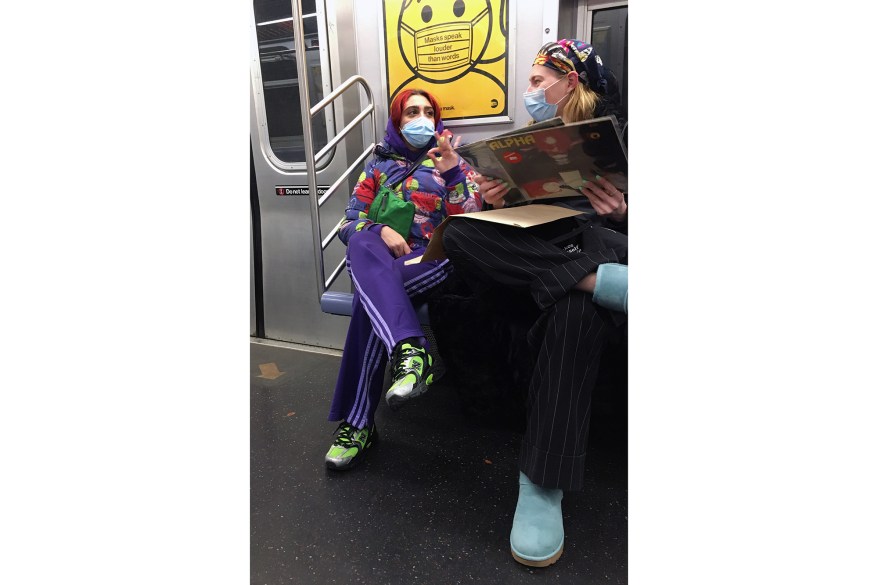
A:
(492, 190)
(605, 198)
(587, 283)
(444, 150)
(395, 242)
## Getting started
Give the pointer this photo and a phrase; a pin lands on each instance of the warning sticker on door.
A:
(283, 190)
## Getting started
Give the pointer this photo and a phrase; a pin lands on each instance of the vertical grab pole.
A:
(305, 100)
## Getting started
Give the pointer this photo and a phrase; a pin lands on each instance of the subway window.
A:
(280, 78)
(609, 36)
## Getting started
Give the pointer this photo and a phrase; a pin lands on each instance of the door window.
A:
(279, 74)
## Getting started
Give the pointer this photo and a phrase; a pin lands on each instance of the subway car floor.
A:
(433, 501)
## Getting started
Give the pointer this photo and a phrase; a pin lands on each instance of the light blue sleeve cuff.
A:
(611, 287)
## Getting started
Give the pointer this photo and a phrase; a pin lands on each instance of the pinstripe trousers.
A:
(567, 338)
(382, 316)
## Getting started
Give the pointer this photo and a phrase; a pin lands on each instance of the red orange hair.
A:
(398, 106)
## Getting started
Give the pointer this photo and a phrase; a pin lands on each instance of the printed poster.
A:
(455, 49)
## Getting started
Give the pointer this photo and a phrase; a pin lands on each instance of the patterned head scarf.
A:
(568, 55)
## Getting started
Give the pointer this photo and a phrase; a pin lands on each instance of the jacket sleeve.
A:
(365, 190)
(461, 192)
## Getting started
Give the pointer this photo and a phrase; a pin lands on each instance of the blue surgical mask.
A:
(418, 132)
(537, 107)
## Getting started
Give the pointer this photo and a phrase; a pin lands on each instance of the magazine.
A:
(546, 162)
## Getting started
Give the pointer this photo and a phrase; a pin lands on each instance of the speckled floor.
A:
(431, 504)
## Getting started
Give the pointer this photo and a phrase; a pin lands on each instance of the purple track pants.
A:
(382, 316)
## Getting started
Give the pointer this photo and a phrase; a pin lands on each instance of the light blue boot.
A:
(537, 537)
(611, 287)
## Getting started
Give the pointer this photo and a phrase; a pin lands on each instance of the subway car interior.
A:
(433, 500)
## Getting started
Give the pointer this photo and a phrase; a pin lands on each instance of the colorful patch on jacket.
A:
(426, 202)
(433, 199)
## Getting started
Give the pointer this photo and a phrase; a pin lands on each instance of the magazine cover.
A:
(552, 162)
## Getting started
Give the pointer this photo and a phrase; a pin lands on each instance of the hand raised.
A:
(443, 155)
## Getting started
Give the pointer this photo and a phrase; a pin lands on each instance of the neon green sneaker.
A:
(411, 374)
(349, 446)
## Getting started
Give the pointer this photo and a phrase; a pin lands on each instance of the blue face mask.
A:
(537, 107)
(418, 132)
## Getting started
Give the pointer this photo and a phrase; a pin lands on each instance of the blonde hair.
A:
(581, 105)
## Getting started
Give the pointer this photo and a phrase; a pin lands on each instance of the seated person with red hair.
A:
(384, 323)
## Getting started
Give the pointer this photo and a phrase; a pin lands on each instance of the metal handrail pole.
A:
(345, 175)
(305, 99)
(341, 89)
(310, 158)
(344, 132)
(334, 274)
(317, 203)
(332, 234)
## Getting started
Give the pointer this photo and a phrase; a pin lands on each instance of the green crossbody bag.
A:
(389, 208)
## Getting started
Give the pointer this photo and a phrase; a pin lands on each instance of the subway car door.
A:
(284, 291)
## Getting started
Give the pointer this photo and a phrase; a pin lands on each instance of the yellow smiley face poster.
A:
(455, 49)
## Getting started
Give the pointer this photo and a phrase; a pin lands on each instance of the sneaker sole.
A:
(344, 465)
(397, 401)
